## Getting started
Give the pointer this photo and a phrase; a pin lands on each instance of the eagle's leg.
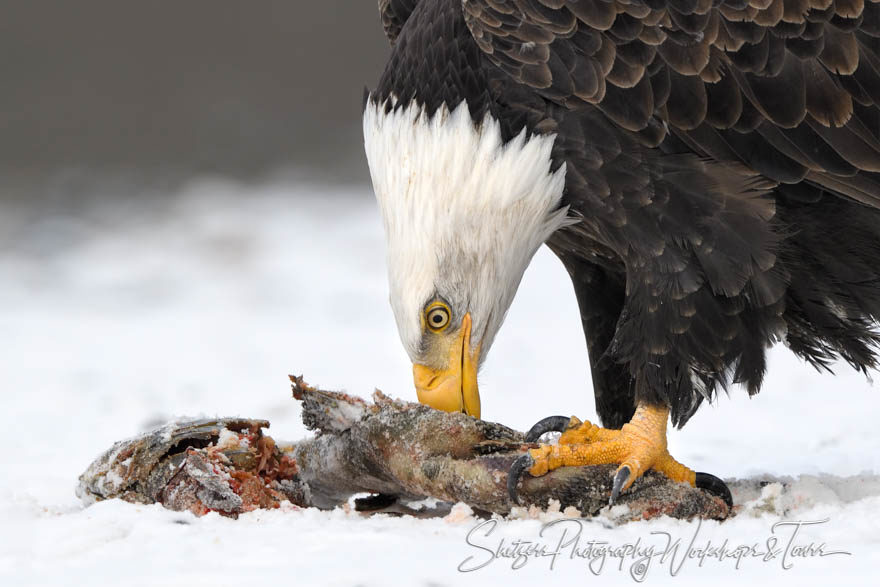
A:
(638, 446)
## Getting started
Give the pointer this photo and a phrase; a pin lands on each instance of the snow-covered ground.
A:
(124, 315)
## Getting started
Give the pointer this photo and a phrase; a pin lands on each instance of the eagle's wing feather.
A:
(756, 109)
(790, 88)
(394, 14)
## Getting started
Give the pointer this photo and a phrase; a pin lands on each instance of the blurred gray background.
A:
(158, 92)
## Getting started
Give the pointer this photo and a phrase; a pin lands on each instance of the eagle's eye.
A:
(437, 316)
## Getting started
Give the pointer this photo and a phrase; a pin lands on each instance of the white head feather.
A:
(463, 213)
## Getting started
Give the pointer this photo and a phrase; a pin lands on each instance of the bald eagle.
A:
(707, 171)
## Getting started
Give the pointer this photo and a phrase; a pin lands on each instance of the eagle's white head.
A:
(464, 213)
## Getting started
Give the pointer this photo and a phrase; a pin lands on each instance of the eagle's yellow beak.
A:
(454, 388)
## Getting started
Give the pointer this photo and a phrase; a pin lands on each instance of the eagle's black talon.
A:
(715, 486)
(550, 424)
(513, 475)
(619, 479)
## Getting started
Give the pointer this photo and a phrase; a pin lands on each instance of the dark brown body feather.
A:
(724, 160)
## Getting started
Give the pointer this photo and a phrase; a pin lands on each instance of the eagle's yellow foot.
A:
(638, 446)
(577, 432)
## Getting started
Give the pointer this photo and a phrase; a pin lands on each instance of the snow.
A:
(128, 314)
